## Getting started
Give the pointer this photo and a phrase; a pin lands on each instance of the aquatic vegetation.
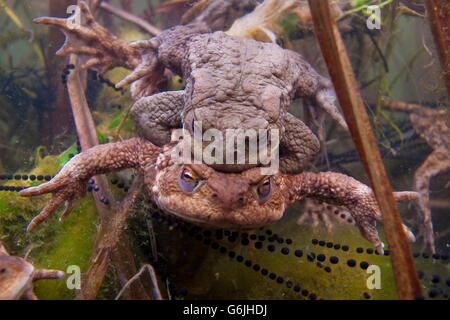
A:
(278, 262)
(54, 246)
(322, 258)
(431, 125)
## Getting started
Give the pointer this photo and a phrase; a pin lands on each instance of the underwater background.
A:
(323, 257)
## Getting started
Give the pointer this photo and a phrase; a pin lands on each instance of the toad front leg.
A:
(156, 115)
(69, 185)
(99, 47)
(342, 190)
(101, 50)
(297, 146)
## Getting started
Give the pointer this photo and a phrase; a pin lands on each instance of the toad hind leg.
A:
(157, 114)
(437, 161)
(297, 145)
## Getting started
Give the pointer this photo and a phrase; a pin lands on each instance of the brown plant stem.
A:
(87, 136)
(84, 122)
(131, 18)
(122, 122)
(107, 245)
(56, 119)
(440, 204)
(102, 257)
(112, 220)
(156, 292)
(123, 259)
(439, 17)
(443, 233)
(347, 89)
(107, 248)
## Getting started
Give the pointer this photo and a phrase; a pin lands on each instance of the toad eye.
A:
(187, 182)
(264, 191)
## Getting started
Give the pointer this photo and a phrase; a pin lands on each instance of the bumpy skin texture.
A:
(17, 277)
(233, 200)
(297, 145)
(231, 82)
(70, 183)
(431, 125)
(156, 115)
(237, 83)
(320, 212)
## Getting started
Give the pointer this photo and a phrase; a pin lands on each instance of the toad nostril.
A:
(241, 199)
(214, 196)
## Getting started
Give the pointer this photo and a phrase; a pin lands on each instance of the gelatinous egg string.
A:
(24, 177)
(95, 76)
(265, 240)
(66, 72)
(205, 238)
(268, 241)
(105, 81)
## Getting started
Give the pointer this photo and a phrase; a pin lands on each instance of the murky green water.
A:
(280, 261)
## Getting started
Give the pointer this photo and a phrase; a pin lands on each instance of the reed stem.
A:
(347, 89)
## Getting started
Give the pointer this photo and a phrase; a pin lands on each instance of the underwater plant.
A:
(194, 262)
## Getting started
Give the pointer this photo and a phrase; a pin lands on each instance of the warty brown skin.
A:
(231, 82)
(17, 277)
(431, 125)
(224, 200)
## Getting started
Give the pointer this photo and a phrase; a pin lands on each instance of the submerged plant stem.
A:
(439, 16)
(107, 242)
(87, 136)
(112, 219)
(151, 271)
(131, 18)
(122, 122)
(335, 55)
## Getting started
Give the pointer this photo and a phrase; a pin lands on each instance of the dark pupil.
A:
(186, 182)
(264, 191)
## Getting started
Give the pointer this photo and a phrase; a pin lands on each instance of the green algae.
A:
(209, 274)
(71, 245)
(66, 155)
(53, 245)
